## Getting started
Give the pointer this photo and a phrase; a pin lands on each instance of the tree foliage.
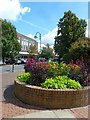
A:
(70, 29)
(47, 52)
(33, 49)
(78, 49)
(10, 45)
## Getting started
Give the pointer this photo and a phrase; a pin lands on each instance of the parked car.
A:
(55, 60)
(23, 61)
(18, 61)
(10, 61)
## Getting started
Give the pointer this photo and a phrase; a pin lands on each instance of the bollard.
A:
(12, 67)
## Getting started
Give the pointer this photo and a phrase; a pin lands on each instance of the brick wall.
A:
(50, 98)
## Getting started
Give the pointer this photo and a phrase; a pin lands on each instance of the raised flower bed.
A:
(54, 85)
(52, 98)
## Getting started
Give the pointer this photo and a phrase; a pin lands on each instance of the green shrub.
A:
(69, 56)
(78, 49)
(64, 69)
(24, 77)
(58, 69)
(61, 82)
(72, 84)
(53, 69)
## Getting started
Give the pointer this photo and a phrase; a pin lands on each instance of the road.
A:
(8, 68)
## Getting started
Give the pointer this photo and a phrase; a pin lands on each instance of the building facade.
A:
(25, 43)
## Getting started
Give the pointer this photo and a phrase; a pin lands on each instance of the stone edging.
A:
(52, 98)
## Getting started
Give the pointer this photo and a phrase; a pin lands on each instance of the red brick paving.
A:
(10, 110)
(15, 107)
(81, 112)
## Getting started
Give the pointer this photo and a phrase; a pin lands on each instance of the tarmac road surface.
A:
(9, 68)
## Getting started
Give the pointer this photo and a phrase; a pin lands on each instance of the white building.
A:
(25, 43)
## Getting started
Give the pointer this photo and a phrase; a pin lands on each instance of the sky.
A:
(31, 17)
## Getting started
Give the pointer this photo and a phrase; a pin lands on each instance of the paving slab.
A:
(66, 113)
(42, 114)
(49, 114)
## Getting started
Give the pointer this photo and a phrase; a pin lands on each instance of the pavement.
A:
(49, 114)
(6, 68)
(11, 107)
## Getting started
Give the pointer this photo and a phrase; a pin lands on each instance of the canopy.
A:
(24, 53)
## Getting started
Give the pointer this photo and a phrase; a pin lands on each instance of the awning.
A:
(24, 53)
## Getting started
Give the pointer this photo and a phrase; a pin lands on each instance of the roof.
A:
(19, 34)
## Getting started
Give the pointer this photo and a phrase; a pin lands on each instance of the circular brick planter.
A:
(52, 98)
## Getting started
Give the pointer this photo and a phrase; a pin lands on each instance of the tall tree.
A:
(10, 45)
(70, 29)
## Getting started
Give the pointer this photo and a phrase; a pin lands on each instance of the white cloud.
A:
(25, 9)
(31, 36)
(51, 46)
(49, 37)
(11, 9)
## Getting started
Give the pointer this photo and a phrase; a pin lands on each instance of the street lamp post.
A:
(39, 38)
